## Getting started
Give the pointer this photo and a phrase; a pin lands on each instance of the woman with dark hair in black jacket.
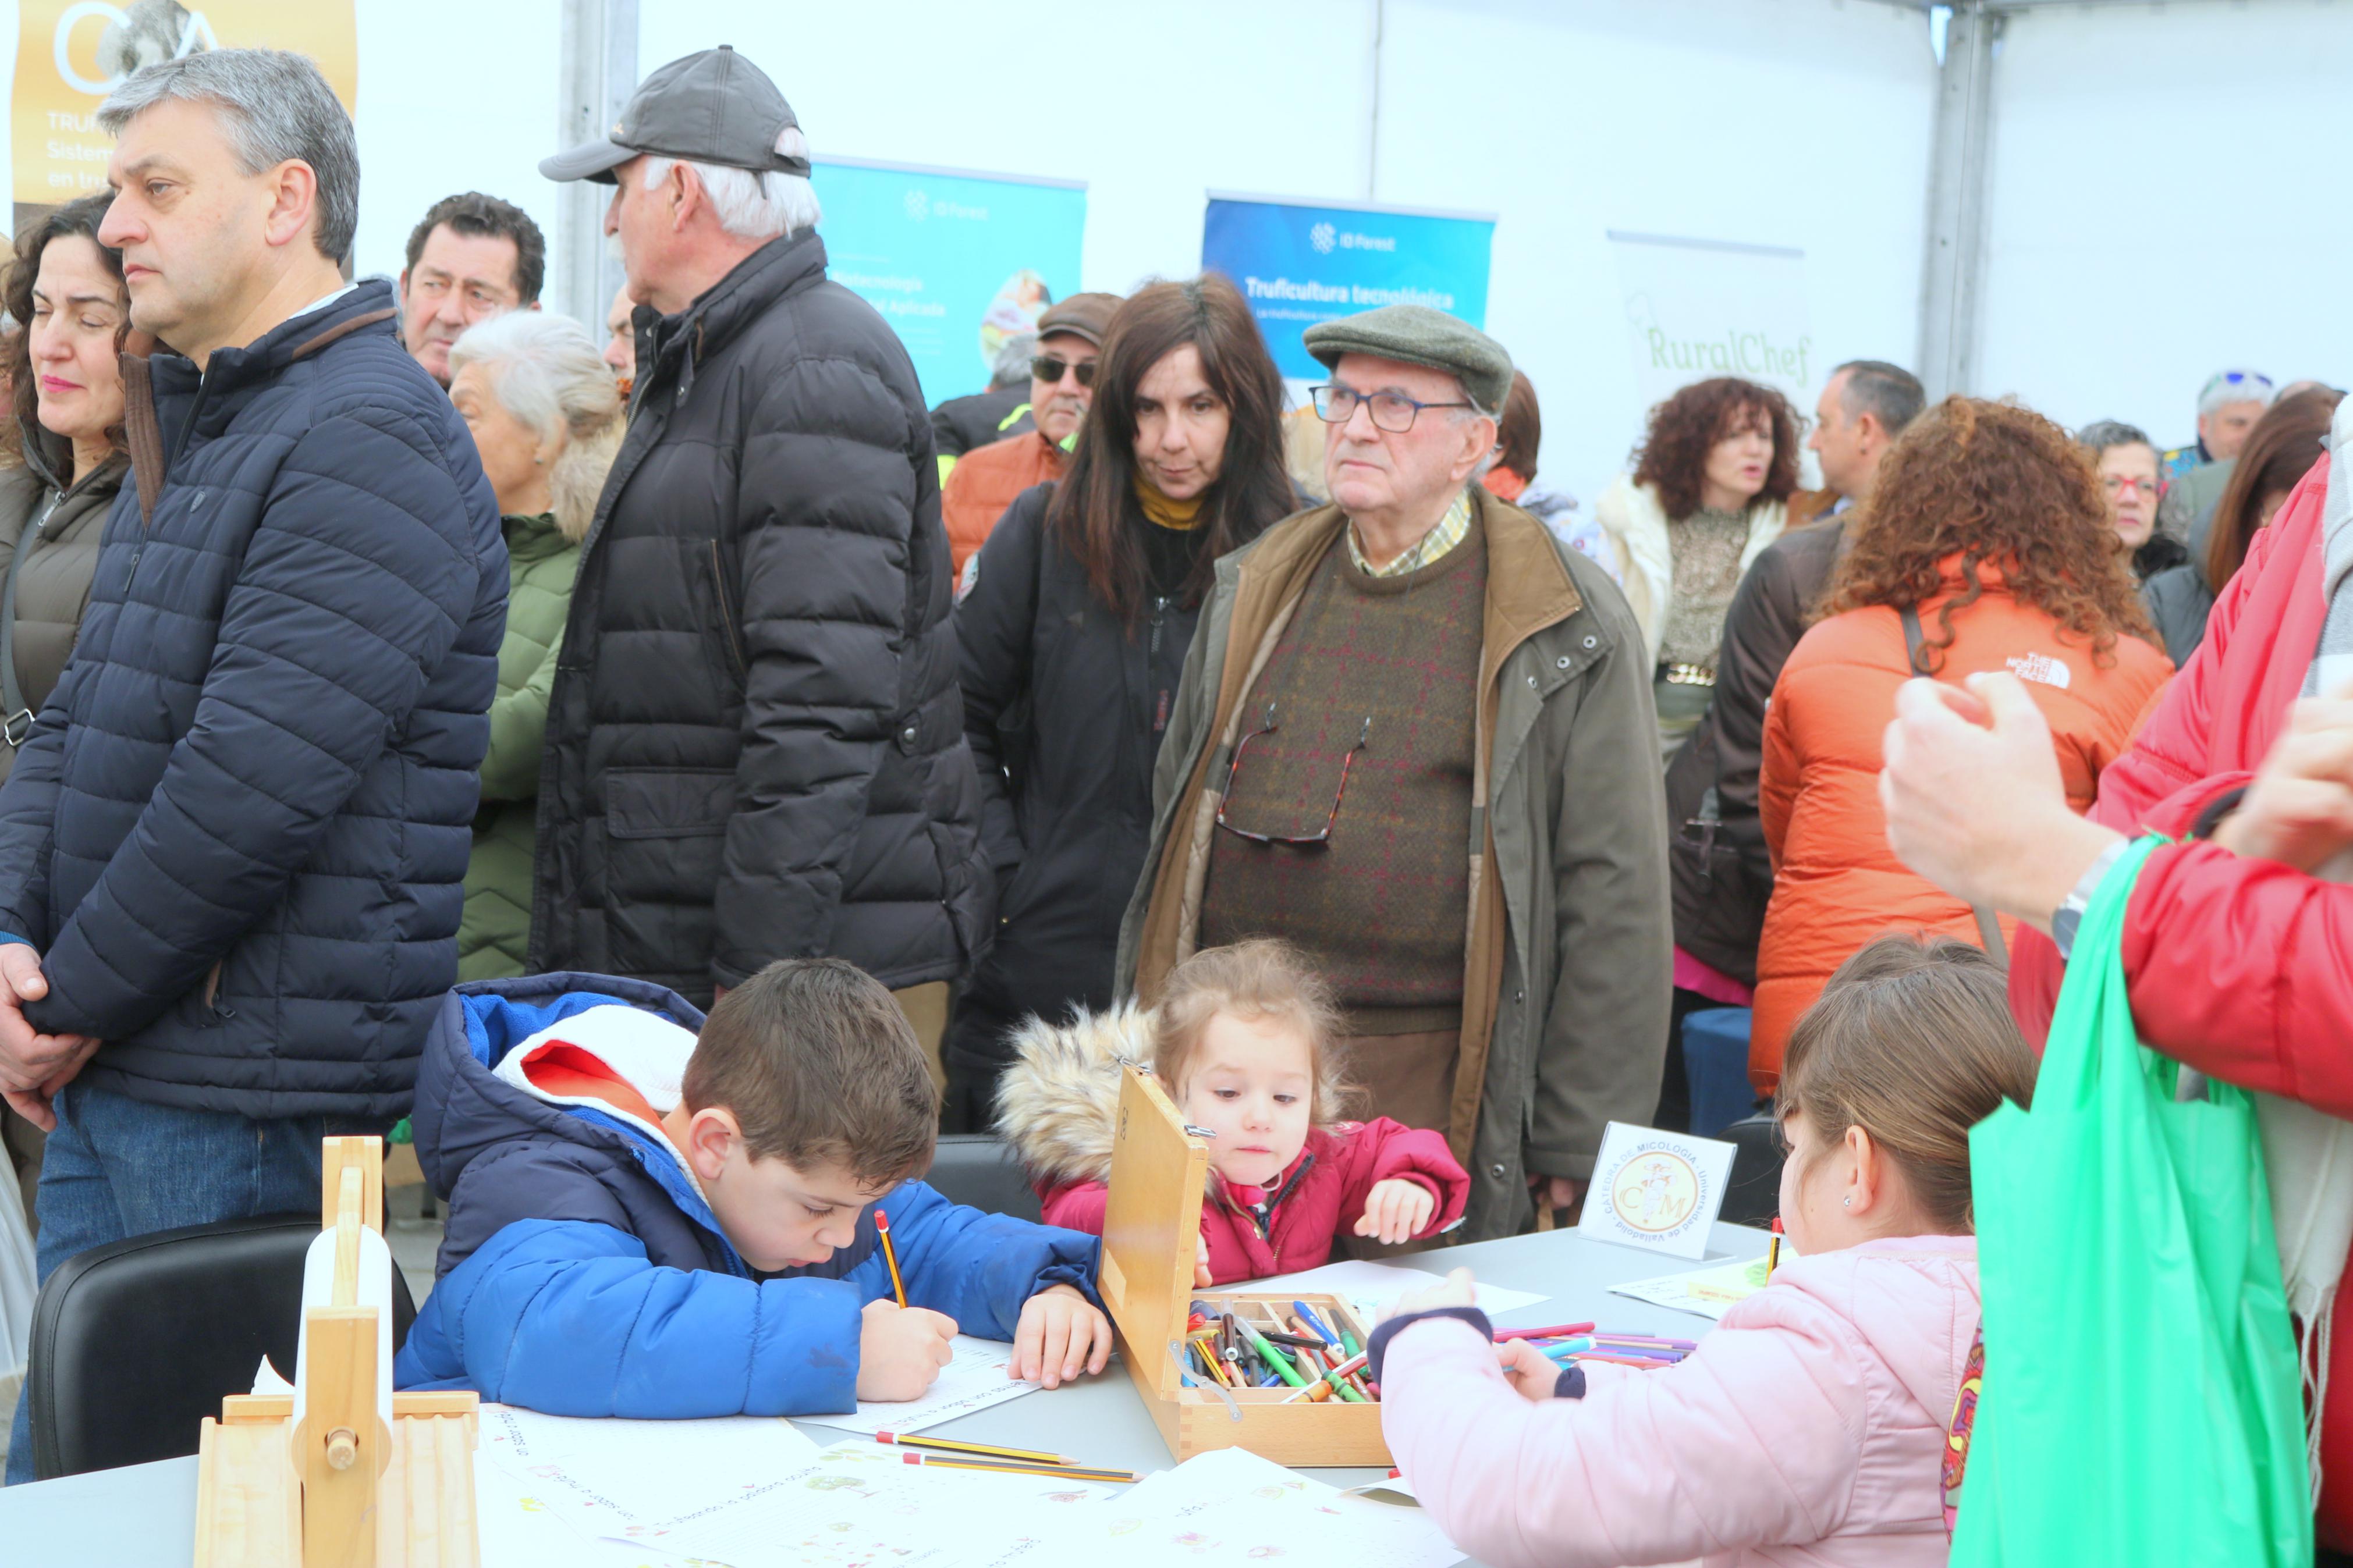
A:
(1073, 638)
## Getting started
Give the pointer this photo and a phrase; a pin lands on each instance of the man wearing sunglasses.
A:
(1415, 737)
(2228, 407)
(1061, 384)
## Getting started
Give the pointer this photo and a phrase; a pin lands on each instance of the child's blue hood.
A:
(463, 1108)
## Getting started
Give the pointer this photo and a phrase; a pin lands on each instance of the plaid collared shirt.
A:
(1451, 530)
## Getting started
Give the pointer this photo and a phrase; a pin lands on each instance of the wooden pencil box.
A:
(1151, 1229)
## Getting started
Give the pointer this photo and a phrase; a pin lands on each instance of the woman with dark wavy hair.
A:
(1710, 488)
(1985, 544)
(1073, 639)
(64, 290)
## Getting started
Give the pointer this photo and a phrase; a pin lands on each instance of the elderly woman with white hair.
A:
(547, 417)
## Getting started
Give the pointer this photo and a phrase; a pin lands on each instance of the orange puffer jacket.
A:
(1836, 883)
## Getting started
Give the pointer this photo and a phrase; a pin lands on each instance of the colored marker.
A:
(1274, 1358)
(890, 1254)
(1555, 1332)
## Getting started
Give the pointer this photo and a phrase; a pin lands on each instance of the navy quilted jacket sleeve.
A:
(315, 668)
(26, 812)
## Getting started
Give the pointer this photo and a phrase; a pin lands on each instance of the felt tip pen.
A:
(1314, 1322)
(1555, 1332)
(1274, 1358)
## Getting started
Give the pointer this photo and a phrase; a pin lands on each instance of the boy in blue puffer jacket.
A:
(646, 1221)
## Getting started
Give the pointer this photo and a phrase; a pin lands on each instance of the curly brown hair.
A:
(2001, 485)
(1672, 457)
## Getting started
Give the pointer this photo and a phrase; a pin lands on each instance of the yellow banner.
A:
(71, 53)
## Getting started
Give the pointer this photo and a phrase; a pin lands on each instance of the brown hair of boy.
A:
(820, 1067)
(1913, 1042)
(1260, 978)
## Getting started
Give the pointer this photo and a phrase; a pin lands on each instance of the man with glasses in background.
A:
(1061, 384)
(1416, 739)
(2228, 407)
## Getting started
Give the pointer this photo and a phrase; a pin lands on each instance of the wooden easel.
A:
(341, 1491)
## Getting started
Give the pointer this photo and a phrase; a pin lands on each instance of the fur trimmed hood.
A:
(1059, 1100)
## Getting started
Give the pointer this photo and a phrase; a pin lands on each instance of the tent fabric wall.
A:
(2162, 205)
(1794, 122)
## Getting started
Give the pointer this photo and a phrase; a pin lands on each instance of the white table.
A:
(143, 1516)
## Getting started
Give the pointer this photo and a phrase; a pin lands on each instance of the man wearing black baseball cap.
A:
(755, 737)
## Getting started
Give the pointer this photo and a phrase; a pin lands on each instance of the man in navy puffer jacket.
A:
(235, 838)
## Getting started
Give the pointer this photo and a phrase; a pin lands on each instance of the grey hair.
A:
(1479, 410)
(2102, 434)
(1011, 365)
(276, 108)
(1888, 393)
(549, 374)
(752, 206)
(2226, 386)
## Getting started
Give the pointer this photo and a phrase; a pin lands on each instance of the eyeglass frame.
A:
(1312, 840)
(1317, 398)
(1084, 369)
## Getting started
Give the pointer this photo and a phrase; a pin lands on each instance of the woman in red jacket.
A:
(1988, 524)
(1240, 1043)
(2239, 959)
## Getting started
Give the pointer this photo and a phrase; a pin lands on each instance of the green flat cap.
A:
(1415, 334)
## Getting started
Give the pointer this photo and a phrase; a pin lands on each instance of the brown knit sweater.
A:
(1384, 905)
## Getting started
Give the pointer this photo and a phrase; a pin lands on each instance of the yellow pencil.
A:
(1063, 1472)
(978, 1450)
(890, 1256)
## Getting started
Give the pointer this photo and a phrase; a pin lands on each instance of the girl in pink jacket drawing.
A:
(1812, 1427)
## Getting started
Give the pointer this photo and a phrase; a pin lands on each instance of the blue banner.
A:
(955, 261)
(1300, 265)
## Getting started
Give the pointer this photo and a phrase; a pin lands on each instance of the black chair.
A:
(980, 1172)
(1752, 1194)
(136, 1342)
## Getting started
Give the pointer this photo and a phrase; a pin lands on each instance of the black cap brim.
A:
(590, 160)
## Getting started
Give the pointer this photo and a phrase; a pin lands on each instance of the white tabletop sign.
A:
(1657, 1190)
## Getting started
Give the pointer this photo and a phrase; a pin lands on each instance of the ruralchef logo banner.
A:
(71, 53)
(957, 262)
(1298, 265)
(1703, 307)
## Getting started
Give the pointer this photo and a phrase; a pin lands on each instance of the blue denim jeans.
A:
(119, 1167)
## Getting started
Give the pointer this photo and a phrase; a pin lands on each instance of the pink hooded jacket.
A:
(1808, 1428)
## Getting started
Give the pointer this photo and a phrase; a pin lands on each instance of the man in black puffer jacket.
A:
(237, 833)
(756, 739)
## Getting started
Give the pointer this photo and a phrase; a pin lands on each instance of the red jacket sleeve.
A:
(1079, 1206)
(2146, 786)
(2244, 969)
(1382, 1149)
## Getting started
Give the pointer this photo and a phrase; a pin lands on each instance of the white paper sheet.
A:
(1709, 1292)
(1375, 1287)
(1231, 1506)
(636, 1480)
(861, 1503)
(974, 1381)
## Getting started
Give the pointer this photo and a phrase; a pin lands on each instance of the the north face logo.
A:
(2040, 667)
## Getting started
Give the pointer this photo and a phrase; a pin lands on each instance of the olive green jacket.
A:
(53, 586)
(1568, 962)
(496, 933)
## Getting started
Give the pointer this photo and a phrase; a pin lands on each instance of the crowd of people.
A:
(781, 770)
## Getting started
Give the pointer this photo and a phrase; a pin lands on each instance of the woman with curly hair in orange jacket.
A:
(1989, 525)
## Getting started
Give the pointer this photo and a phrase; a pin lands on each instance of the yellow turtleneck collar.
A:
(1177, 516)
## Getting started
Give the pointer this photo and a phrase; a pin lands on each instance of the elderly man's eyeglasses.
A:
(1300, 841)
(1391, 411)
(1046, 367)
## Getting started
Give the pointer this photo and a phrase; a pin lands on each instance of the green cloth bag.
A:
(2141, 1402)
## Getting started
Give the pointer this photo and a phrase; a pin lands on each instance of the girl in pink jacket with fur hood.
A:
(1242, 1042)
(1812, 1427)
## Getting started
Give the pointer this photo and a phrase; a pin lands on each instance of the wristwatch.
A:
(2070, 914)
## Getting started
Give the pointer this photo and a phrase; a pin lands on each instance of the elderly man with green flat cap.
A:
(1415, 738)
